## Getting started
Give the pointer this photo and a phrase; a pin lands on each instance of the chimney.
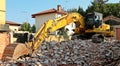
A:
(59, 8)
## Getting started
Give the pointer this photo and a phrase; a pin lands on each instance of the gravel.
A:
(79, 53)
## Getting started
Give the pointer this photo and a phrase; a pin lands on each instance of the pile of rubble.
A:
(79, 53)
(72, 53)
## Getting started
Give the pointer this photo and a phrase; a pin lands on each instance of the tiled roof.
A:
(111, 18)
(49, 11)
(12, 23)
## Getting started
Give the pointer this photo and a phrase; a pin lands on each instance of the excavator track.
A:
(97, 38)
(14, 51)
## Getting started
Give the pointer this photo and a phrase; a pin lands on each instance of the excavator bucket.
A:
(14, 51)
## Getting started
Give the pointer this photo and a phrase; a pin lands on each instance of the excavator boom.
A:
(53, 25)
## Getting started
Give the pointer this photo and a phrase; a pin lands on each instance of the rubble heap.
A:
(79, 53)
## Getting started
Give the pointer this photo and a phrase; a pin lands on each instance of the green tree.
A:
(26, 26)
(81, 11)
(105, 8)
(114, 9)
(72, 10)
(78, 10)
(62, 32)
(97, 5)
(33, 28)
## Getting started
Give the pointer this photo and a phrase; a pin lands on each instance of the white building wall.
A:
(14, 28)
(40, 20)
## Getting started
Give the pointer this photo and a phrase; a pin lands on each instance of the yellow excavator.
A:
(91, 25)
(86, 26)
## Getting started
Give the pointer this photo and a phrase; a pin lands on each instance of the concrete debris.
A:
(80, 53)
(75, 53)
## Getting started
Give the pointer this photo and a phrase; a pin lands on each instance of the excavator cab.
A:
(93, 19)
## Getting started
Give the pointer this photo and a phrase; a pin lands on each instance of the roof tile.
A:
(48, 11)
(12, 23)
(111, 18)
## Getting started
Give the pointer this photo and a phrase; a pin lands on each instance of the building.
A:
(2, 11)
(43, 16)
(13, 26)
(112, 20)
(4, 37)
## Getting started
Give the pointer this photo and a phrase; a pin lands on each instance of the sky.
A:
(20, 11)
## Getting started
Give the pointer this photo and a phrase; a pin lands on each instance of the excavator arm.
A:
(53, 25)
